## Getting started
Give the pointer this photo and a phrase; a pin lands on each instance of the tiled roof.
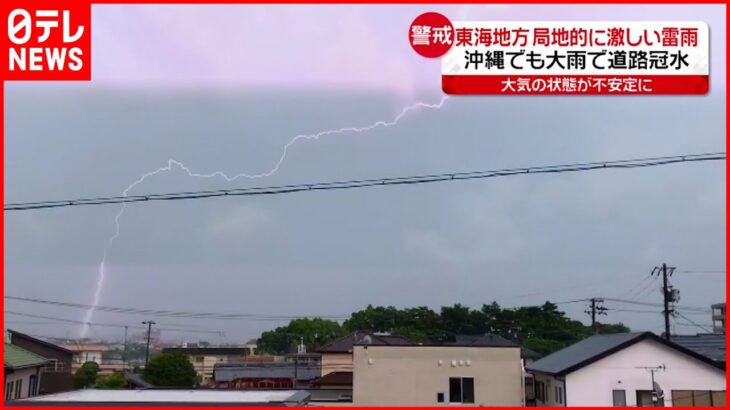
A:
(18, 358)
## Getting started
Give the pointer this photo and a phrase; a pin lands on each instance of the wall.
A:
(336, 362)
(24, 376)
(593, 385)
(413, 375)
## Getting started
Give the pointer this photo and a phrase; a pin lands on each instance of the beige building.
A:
(437, 375)
(337, 354)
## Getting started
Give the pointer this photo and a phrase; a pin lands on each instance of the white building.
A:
(617, 370)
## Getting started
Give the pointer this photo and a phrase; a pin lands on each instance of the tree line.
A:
(543, 329)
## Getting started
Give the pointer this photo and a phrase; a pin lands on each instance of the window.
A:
(440, 397)
(540, 391)
(199, 359)
(53, 366)
(18, 387)
(461, 390)
(698, 398)
(33, 385)
(560, 395)
(645, 398)
(8, 390)
(619, 398)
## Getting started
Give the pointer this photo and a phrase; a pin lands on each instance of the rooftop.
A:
(706, 344)
(596, 347)
(345, 343)
(19, 358)
(16, 334)
(213, 351)
(85, 348)
(170, 396)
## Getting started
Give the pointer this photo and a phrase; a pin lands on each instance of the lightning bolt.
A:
(174, 164)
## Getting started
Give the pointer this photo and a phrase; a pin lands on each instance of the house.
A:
(170, 397)
(718, 318)
(272, 375)
(628, 369)
(84, 353)
(707, 344)
(337, 354)
(481, 374)
(204, 359)
(23, 370)
(57, 376)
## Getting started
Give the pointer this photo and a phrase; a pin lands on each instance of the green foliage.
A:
(314, 332)
(170, 370)
(85, 376)
(543, 329)
(112, 381)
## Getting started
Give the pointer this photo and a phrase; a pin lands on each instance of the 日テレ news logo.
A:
(47, 40)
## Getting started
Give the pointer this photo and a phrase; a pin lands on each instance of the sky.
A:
(228, 96)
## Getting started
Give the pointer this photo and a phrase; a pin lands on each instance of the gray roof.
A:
(344, 344)
(597, 347)
(486, 340)
(226, 372)
(706, 344)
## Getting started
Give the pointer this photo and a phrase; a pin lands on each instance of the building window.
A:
(461, 390)
(53, 366)
(33, 385)
(619, 398)
(698, 398)
(645, 398)
(8, 390)
(199, 359)
(18, 388)
(540, 391)
(440, 397)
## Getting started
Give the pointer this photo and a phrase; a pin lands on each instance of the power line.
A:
(351, 184)
(693, 322)
(169, 313)
(117, 325)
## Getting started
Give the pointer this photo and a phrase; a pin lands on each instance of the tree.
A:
(112, 381)
(85, 376)
(170, 370)
(313, 332)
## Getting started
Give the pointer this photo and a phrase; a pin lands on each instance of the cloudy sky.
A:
(225, 88)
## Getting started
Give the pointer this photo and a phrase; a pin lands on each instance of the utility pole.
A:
(124, 355)
(670, 294)
(595, 308)
(149, 324)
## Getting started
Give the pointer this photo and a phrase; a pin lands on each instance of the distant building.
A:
(718, 318)
(618, 369)
(204, 359)
(22, 371)
(57, 375)
(171, 397)
(438, 375)
(272, 375)
(84, 353)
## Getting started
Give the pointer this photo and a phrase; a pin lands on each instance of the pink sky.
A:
(352, 47)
